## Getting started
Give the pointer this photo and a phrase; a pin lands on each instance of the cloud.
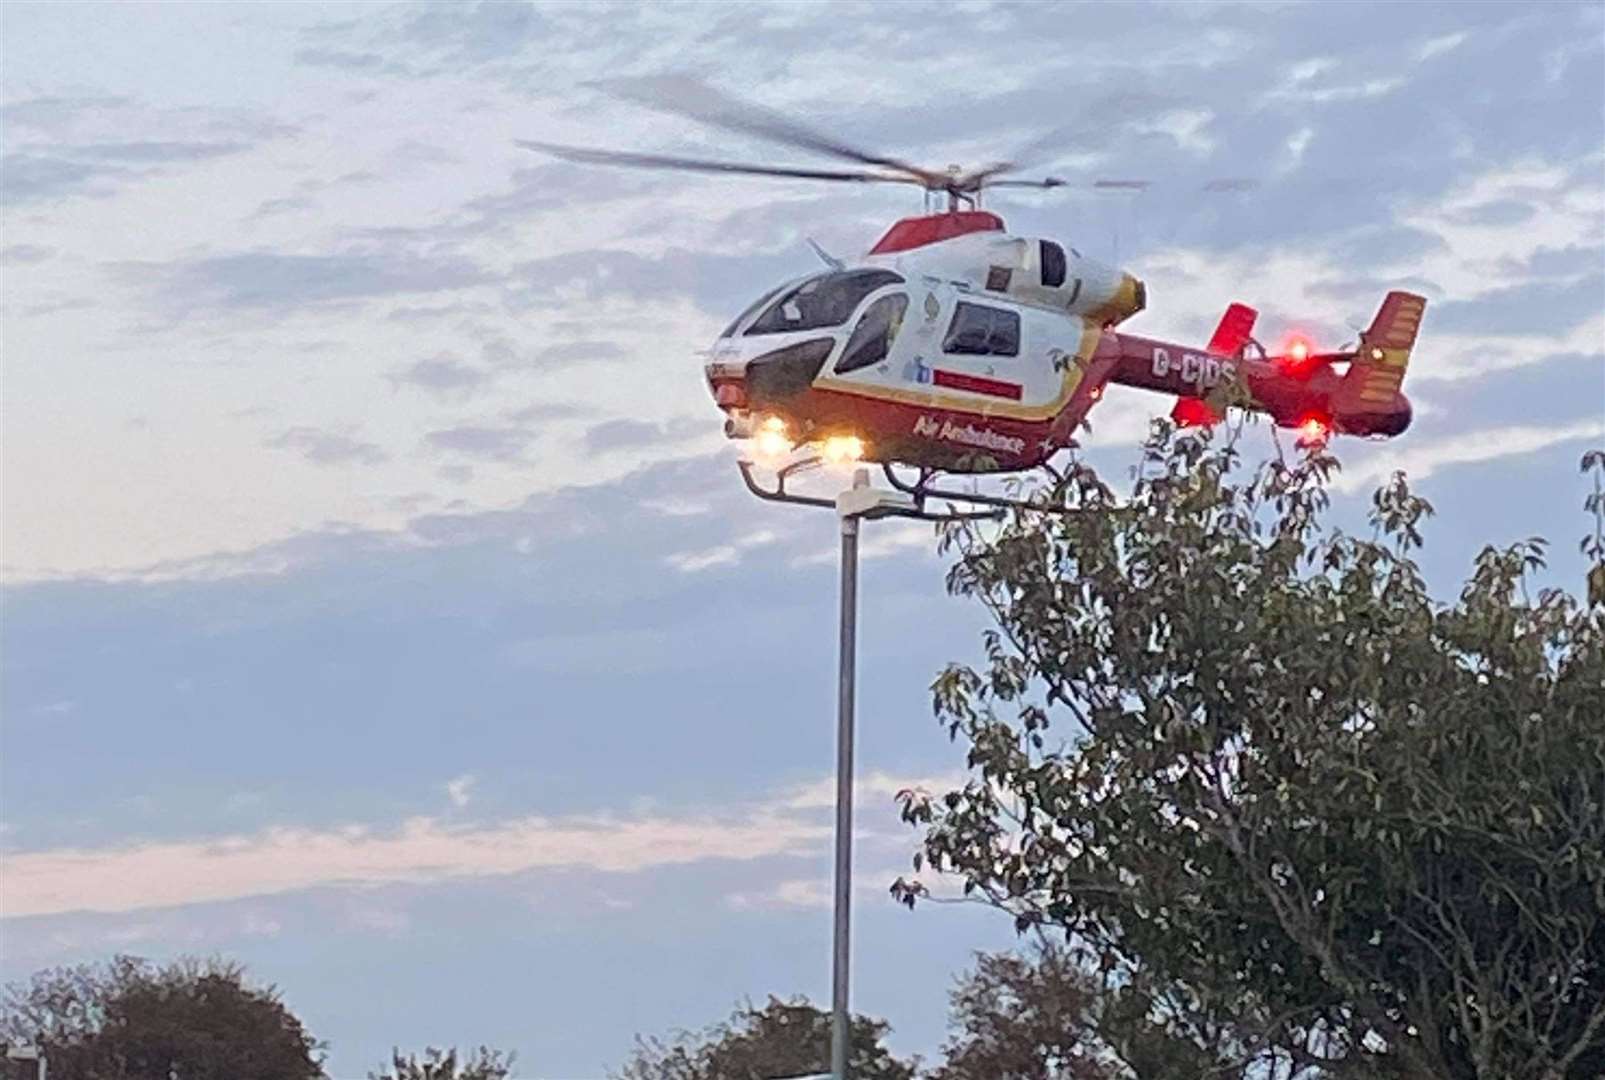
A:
(282, 860)
(1441, 44)
(473, 34)
(269, 280)
(53, 112)
(422, 850)
(460, 789)
(340, 58)
(627, 434)
(328, 447)
(28, 178)
(548, 410)
(443, 375)
(576, 352)
(877, 787)
(1420, 458)
(482, 443)
(24, 254)
(157, 153)
(692, 562)
(794, 893)
(1553, 307)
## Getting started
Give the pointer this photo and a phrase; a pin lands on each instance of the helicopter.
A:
(955, 346)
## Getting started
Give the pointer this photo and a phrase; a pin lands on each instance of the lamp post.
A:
(852, 506)
(857, 504)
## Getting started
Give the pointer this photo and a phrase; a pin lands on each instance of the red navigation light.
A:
(1296, 352)
(1314, 429)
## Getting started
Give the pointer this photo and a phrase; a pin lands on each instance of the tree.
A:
(1306, 819)
(130, 1020)
(481, 1064)
(1027, 1018)
(782, 1039)
(1051, 1014)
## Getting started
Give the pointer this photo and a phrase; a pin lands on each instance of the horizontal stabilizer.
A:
(1234, 331)
(1193, 412)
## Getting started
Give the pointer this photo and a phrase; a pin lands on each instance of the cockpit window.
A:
(750, 310)
(872, 338)
(821, 302)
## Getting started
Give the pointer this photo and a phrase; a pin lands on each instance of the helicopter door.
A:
(982, 353)
(871, 341)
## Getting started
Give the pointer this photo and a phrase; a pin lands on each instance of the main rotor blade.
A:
(689, 97)
(1224, 184)
(1045, 182)
(587, 156)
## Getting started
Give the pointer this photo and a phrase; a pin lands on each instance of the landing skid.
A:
(925, 488)
(918, 495)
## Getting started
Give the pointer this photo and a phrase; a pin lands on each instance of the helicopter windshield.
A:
(750, 310)
(821, 302)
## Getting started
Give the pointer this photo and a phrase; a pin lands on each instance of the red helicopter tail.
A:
(1235, 329)
(1377, 370)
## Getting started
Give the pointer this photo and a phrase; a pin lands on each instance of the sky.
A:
(381, 605)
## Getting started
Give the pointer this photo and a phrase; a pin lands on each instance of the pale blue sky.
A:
(382, 607)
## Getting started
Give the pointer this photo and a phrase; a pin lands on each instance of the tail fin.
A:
(1377, 371)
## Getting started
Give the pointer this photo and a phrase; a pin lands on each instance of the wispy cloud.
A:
(460, 789)
(329, 447)
(443, 375)
(1421, 458)
(482, 442)
(425, 849)
(421, 850)
(264, 280)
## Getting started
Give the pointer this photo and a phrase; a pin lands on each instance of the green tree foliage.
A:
(1307, 820)
(130, 1020)
(1027, 1018)
(433, 1064)
(782, 1039)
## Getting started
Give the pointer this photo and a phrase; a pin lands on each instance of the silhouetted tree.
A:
(130, 1020)
(784, 1038)
(481, 1064)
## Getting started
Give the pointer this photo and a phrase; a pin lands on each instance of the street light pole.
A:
(853, 506)
(840, 1022)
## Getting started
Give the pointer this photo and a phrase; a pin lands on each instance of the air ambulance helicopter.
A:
(955, 346)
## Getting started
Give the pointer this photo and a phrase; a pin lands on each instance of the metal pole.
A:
(839, 1022)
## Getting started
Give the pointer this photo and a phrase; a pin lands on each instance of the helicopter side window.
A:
(1052, 264)
(821, 302)
(983, 331)
(872, 338)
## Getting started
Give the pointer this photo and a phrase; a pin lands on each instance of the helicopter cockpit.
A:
(821, 302)
(777, 347)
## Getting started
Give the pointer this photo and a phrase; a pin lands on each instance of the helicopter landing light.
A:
(771, 441)
(840, 449)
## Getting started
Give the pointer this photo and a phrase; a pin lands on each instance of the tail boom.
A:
(1364, 399)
